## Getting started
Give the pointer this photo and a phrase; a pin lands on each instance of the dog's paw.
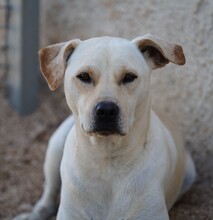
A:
(27, 216)
(43, 213)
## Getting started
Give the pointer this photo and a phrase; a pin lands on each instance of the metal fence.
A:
(19, 26)
(4, 25)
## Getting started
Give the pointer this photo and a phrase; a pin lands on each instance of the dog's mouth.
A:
(108, 133)
(104, 131)
(107, 128)
(104, 134)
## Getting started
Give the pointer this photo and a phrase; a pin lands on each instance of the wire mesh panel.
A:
(22, 59)
(4, 19)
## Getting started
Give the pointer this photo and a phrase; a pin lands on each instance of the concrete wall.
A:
(184, 92)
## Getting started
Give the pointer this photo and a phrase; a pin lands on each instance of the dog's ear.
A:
(158, 52)
(53, 61)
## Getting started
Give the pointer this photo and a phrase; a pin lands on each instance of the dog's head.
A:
(107, 79)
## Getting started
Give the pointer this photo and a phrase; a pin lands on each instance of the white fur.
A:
(136, 176)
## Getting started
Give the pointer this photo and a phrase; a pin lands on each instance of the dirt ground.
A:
(23, 142)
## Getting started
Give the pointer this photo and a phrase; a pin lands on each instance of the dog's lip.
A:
(107, 133)
(102, 133)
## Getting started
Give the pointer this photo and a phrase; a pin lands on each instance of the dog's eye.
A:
(84, 77)
(128, 78)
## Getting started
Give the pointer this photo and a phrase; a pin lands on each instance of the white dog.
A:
(117, 159)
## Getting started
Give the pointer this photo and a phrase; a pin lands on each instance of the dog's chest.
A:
(101, 196)
(97, 201)
(100, 189)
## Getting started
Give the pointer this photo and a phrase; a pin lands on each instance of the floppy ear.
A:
(53, 61)
(158, 52)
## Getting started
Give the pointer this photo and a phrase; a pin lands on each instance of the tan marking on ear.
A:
(162, 53)
(46, 56)
(180, 58)
(53, 61)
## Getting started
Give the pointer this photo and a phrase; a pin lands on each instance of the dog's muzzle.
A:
(106, 118)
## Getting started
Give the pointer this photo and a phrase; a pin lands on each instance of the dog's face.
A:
(107, 79)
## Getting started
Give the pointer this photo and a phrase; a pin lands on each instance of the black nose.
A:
(106, 110)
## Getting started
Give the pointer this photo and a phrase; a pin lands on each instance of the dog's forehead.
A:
(106, 48)
(106, 42)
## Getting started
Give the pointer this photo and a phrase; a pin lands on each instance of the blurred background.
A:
(29, 112)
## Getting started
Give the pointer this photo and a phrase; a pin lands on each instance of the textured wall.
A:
(184, 92)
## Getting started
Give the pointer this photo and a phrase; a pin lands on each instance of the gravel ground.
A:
(23, 142)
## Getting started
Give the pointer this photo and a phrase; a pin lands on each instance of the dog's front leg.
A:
(46, 205)
(155, 209)
(154, 212)
(144, 203)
